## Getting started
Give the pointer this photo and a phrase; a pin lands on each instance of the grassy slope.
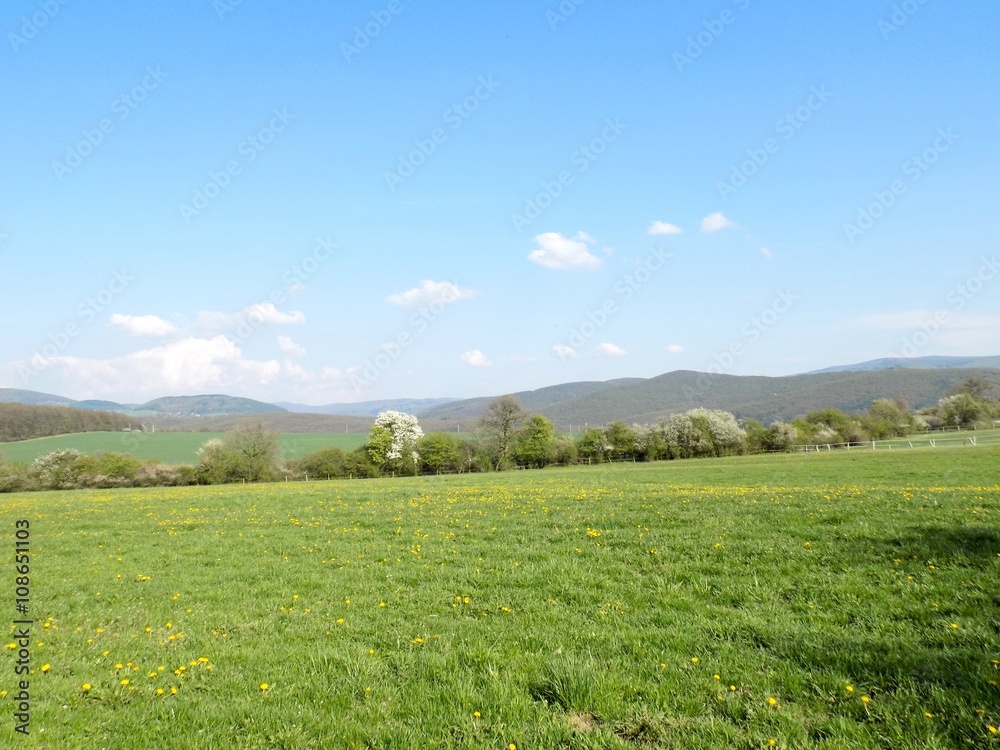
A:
(167, 447)
(589, 607)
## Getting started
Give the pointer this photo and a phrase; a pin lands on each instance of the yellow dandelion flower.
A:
(173, 691)
(85, 687)
(849, 688)
(928, 714)
(476, 714)
(264, 686)
(159, 691)
(46, 667)
(771, 742)
(772, 702)
(865, 699)
(694, 659)
(993, 730)
(124, 682)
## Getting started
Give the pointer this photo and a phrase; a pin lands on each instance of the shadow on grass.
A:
(973, 543)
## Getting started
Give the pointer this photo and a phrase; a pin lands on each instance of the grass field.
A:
(167, 447)
(843, 600)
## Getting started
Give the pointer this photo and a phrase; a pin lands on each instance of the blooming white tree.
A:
(704, 432)
(393, 440)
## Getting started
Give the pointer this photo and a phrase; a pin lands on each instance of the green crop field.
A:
(841, 600)
(167, 447)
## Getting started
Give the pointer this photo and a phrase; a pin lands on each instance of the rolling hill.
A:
(916, 363)
(168, 406)
(368, 408)
(748, 397)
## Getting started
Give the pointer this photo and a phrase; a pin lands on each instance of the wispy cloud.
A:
(429, 292)
(476, 358)
(144, 326)
(715, 223)
(610, 350)
(565, 352)
(663, 228)
(263, 313)
(674, 349)
(290, 347)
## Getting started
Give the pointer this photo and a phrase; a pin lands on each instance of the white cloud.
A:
(611, 350)
(290, 347)
(263, 313)
(190, 365)
(715, 223)
(152, 326)
(476, 358)
(429, 292)
(766, 253)
(662, 227)
(565, 352)
(562, 253)
(674, 349)
(522, 358)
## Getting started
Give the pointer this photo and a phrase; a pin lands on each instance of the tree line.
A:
(27, 421)
(508, 437)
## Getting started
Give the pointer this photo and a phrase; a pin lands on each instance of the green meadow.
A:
(170, 448)
(831, 600)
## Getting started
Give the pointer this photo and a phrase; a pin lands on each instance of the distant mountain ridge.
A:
(368, 408)
(919, 363)
(212, 405)
(766, 399)
(922, 381)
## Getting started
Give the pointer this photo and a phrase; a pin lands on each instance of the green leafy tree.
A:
(535, 444)
(256, 450)
(621, 438)
(440, 451)
(887, 418)
(500, 422)
(960, 410)
(593, 445)
(329, 462)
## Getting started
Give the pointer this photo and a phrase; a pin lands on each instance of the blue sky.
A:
(323, 202)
